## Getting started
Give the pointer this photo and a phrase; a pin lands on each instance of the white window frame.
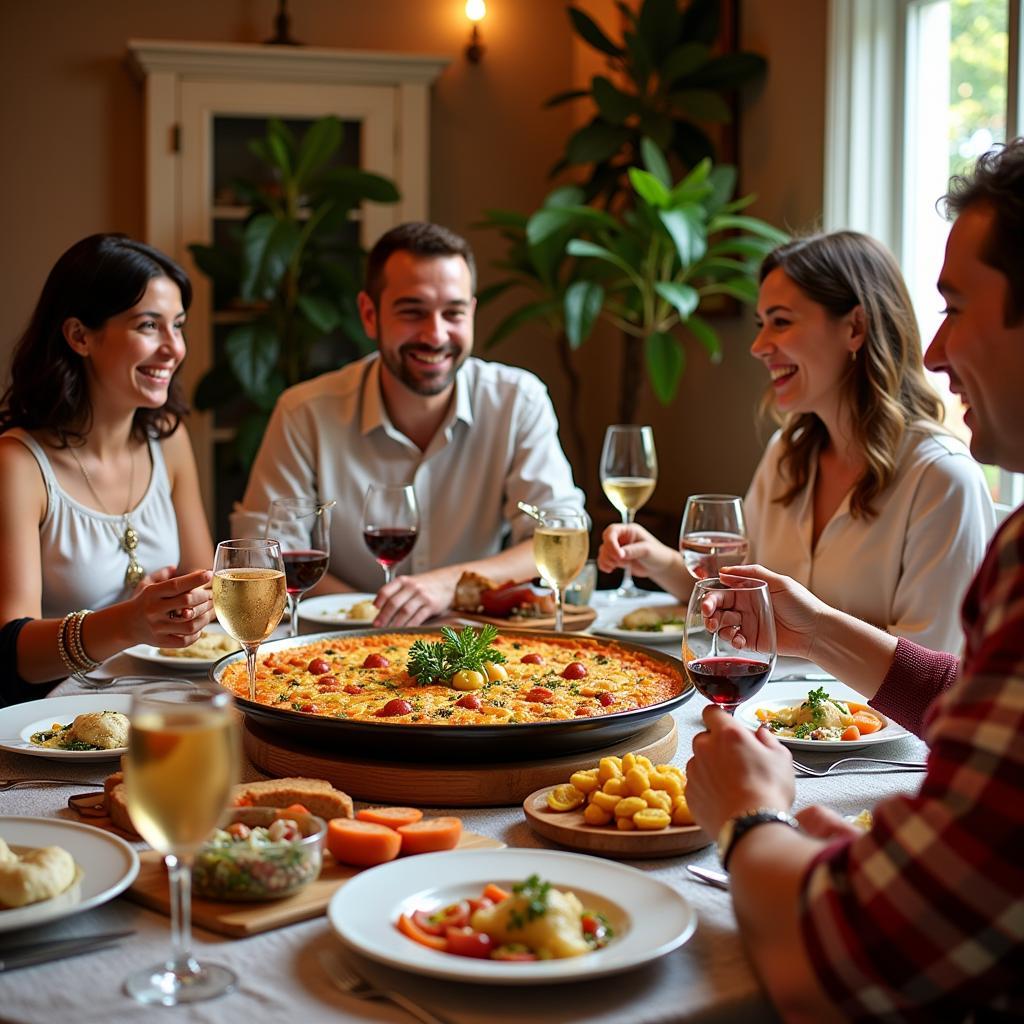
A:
(867, 120)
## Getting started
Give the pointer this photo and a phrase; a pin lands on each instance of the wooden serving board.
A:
(575, 618)
(567, 828)
(441, 785)
(240, 919)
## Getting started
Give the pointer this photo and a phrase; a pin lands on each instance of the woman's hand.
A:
(156, 576)
(626, 544)
(172, 612)
(798, 613)
(735, 770)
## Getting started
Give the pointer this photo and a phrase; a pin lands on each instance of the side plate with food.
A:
(21, 722)
(343, 611)
(649, 624)
(815, 720)
(212, 645)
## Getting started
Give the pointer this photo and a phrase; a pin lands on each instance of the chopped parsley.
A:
(468, 650)
(535, 893)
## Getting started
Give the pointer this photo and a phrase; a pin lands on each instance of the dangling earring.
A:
(853, 356)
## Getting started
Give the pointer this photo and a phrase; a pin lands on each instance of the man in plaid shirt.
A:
(921, 918)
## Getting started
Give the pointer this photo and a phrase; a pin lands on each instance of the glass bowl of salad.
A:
(260, 853)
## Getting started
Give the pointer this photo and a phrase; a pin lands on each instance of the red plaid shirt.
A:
(922, 918)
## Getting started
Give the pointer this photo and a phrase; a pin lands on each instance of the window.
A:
(917, 90)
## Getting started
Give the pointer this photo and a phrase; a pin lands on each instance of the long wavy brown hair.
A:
(97, 278)
(884, 386)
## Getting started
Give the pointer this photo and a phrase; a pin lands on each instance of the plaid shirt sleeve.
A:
(922, 918)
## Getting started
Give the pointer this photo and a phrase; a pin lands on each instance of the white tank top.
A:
(83, 563)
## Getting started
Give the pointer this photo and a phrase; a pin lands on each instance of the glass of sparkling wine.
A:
(561, 543)
(249, 593)
(391, 523)
(183, 758)
(302, 527)
(629, 473)
(713, 534)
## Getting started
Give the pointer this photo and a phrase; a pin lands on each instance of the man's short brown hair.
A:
(421, 239)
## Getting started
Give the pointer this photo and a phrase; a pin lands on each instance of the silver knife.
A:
(59, 949)
(718, 879)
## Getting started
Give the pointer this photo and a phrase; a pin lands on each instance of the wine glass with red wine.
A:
(302, 526)
(391, 523)
(723, 668)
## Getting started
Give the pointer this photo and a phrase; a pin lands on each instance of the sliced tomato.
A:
(594, 927)
(481, 904)
(468, 942)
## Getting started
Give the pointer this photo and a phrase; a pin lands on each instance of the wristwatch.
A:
(735, 828)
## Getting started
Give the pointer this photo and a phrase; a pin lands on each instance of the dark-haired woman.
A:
(862, 496)
(99, 494)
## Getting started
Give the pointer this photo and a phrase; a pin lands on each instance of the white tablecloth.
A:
(708, 980)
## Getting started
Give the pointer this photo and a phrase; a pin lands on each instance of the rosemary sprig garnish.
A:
(438, 662)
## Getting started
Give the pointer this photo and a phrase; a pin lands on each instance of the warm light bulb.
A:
(475, 10)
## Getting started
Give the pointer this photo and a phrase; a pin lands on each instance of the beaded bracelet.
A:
(78, 653)
(62, 647)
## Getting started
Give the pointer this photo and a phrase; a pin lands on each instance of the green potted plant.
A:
(290, 274)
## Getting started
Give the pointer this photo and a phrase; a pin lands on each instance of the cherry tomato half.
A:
(318, 666)
(470, 701)
(376, 661)
(574, 670)
(455, 915)
(394, 707)
(539, 695)
(467, 942)
(531, 659)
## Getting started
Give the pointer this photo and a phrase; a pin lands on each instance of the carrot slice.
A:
(290, 812)
(408, 927)
(867, 721)
(390, 816)
(851, 732)
(495, 892)
(362, 843)
(431, 835)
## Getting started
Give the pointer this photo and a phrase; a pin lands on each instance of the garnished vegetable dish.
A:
(533, 921)
(821, 717)
(473, 677)
(93, 730)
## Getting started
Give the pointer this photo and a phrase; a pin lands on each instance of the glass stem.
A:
(179, 875)
(293, 612)
(558, 608)
(627, 573)
(250, 664)
(389, 572)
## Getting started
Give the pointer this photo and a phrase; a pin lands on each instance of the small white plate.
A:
(649, 917)
(108, 865)
(332, 610)
(608, 620)
(147, 652)
(20, 721)
(747, 714)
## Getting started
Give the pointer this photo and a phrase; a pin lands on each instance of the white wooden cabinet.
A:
(196, 97)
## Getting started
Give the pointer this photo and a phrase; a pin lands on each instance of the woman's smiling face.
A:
(804, 347)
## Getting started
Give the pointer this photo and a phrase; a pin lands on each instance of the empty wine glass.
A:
(302, 527)
(722, 667)
(183, 758)
(713, 534)
(391, 523)
(249, 594)
(629, 473)
(561, 543)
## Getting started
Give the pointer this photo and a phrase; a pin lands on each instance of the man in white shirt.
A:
(474, 438)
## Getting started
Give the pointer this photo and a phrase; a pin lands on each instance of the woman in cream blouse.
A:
(862, 495)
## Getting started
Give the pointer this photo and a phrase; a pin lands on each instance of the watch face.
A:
(736, 827)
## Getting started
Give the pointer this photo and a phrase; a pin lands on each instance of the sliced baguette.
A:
(318, 796)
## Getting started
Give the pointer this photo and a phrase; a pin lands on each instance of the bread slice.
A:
(318, 796)
(468, 590)
(117, 806)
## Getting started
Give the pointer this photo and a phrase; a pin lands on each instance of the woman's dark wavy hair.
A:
(97, 278)
(885, 386)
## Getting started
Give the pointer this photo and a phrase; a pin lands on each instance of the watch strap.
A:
(735, 828)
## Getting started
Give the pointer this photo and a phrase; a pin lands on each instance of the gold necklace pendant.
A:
(130, 542)
(129, 539)
(134, 574)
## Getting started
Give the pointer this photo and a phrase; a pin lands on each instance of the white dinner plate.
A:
(608, 620)
(147, 652)
(332, 610)
(649, 917)
(20, 721)
(108, 865)
(746, 713)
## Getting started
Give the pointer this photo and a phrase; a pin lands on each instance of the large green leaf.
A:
(648, 187)
(702, 105)
(564, 97)
(319, 144)
(267, 252)
(751, 224)
(723, 185)
(684, 60)
(658, 23)
(567, 195)
(586, 28)
(596, 141)
(641, 60)
(583, 301)
(754, 248)
(654, 160)
(252, 351)
(503, 218)
(684, 298)
(217, 262)
(742, 288)
(492, 291)
(700, 21)
(728, 71)
(321, 312)
(685, 225)
(547, 221)
(356, 185)
(658, 126)
(543, 310)
(614, 104)
(690, 143)
(280, 146)
(705, 334)
(666, 361)
(581, 247)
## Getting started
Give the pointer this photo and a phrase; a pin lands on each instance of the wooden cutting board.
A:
(575, 618)
(240, 919)
(441, 785)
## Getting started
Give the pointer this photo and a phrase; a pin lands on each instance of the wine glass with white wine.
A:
(249, 593)
(561, 543)
(629, 473)
(183, 758)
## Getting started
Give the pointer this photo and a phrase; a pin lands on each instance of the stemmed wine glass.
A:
(249, 593)
(183, 758)
(713, 534)
(391, 523)
(302, 527)
(629, 472)
(561, 543)
(722, 668)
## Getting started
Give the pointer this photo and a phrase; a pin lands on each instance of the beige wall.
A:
(71, 114)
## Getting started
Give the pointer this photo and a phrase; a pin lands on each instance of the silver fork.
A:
(895, 767)
(91, 682)
(346, 979)
(6, 784)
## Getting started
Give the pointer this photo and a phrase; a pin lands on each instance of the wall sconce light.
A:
(475, 11)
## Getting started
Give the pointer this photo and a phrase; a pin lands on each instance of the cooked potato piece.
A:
(39, 874)
(556, 933)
